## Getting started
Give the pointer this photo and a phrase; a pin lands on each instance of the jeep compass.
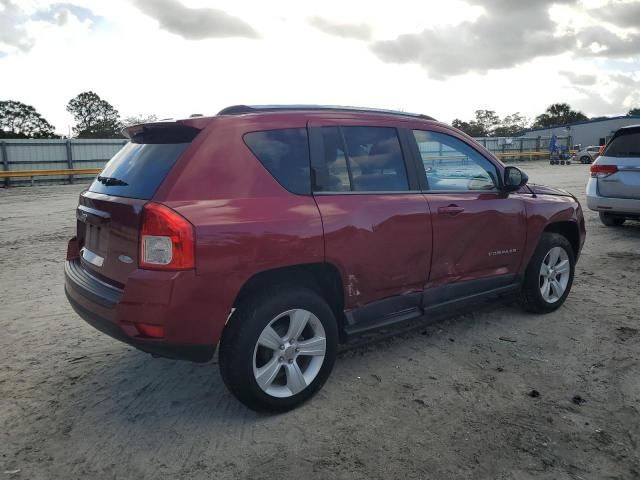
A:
(273, 234)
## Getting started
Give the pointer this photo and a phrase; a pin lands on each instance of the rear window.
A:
(138, 169)
(624, 144)
(285, 154)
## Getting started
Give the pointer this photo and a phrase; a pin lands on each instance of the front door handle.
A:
(450, 210)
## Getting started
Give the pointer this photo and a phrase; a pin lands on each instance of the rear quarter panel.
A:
(245, 222)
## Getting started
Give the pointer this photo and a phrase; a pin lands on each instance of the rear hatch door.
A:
(623, 151)
(109, 213)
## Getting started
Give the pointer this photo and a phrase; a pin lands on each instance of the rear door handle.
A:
(450, 210)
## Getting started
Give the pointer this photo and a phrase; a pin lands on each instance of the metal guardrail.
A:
(48, 173)
(521, 154)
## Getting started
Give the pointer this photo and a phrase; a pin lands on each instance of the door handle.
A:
(450, 210)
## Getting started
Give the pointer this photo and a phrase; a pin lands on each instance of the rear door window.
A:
(361, 159)
(624, 144)
(285, 154)
(138, 169)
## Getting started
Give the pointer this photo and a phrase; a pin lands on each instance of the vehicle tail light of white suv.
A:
(601, 171)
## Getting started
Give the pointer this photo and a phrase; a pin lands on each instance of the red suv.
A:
(279, 232)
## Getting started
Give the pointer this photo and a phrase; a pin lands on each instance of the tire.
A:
(289, 378)
(611, 220)
(534, 283)
(585, 159)
(561, 162)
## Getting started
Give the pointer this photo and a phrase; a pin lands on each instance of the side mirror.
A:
(514, 179)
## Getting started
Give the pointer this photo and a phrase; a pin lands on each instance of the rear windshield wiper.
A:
(112, 181)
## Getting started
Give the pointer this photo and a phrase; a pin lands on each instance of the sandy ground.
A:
(447, 401)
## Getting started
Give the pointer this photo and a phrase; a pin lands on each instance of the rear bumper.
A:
(621, 206)
(103, 307)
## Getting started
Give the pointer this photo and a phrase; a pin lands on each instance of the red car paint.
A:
(382, 245)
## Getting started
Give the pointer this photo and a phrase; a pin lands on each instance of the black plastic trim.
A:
(432, 303)
(455, 292)
(389, 307)
(90, 287)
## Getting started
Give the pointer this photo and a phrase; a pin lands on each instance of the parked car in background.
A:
(587, 154)
(277, 232)
(614, 187)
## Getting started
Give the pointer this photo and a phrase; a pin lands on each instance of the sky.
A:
(173, 58)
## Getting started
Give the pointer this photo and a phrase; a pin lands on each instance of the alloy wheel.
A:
(555, 272)
(289, 353)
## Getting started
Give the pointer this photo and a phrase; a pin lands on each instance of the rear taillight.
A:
(603, 170)
(166, 239)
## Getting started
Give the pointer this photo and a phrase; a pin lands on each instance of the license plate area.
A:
(96, 238)
(93, 231)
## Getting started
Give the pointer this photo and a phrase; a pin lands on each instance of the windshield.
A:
(138, 169)
(624, 144)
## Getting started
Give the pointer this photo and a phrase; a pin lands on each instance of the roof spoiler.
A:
(161, 132)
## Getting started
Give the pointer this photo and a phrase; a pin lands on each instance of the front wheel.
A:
(279, 349)
(585, 159)
(549, 275)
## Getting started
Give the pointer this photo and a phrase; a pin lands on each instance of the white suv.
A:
(614, 187)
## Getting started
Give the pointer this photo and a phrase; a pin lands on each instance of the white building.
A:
(588, 132)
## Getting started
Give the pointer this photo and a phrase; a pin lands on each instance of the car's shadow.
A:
(130, 390)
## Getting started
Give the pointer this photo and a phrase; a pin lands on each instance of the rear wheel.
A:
(549, 275)
(611, 220)
(279, 349)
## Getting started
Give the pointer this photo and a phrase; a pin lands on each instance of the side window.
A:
(333, 175)
(285, 154)
(452, 165)
(361, 159)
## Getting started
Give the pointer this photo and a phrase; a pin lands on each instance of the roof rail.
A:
(242, 109)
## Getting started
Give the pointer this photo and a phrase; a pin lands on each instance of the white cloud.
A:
(195, 23)
(143, 68)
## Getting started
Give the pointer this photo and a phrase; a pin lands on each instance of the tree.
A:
(470, 128)
(634, 111)
(481, 126)
(558, 114)
(488, 121)
(488, 124)
(138, 119)
(18, 120)
(95, 117)
(511, 125)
